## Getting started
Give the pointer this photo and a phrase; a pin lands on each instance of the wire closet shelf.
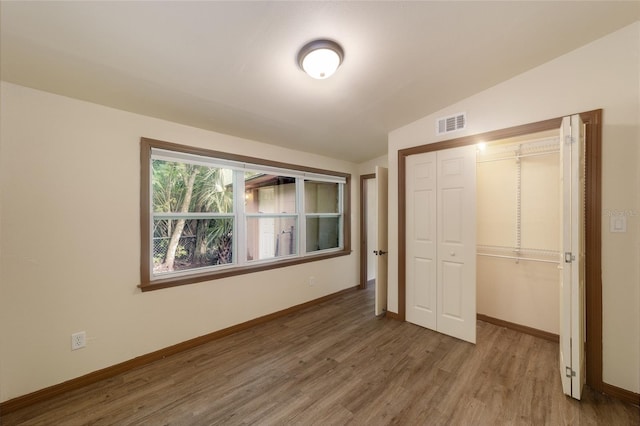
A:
(517, 151)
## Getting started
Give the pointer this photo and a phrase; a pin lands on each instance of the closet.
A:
(519, 230)
(513, 241)
(531, 239)
(497, 230)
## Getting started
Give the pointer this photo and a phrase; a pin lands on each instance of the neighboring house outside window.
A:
(207, 215)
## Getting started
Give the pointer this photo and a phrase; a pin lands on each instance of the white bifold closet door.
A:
(441, 241)
(572, 289)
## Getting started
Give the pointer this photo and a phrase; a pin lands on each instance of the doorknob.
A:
(379, 252)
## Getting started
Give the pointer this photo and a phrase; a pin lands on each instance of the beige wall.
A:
(603, 74)
(69, 224)
(370, 166)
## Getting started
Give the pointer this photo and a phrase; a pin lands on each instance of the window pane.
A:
(266, 193)
(182, 187)
(321, 197)
(183, 244)
(323, 233)
(271, 237)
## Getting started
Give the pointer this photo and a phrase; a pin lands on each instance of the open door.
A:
(382, 179)
(572, 289)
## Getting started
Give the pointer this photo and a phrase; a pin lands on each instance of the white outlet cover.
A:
(78, 340)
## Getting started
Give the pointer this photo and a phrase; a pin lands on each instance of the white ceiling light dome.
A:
(320, 58)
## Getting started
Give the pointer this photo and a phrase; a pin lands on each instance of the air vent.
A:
(451, 123)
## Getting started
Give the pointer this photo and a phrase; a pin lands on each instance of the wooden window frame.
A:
(148, 283)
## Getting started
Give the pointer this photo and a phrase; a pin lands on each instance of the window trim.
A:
(146, 281)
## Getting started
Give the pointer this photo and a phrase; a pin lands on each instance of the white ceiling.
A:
(231, 66)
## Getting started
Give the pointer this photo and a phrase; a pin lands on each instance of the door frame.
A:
(363, 229)
(593, 225)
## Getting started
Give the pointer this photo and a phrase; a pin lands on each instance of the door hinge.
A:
(569, 257)
(569, 372)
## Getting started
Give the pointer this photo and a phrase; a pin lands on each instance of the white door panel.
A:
(266, 204)
(456, 248)
(423, 297)
(452, 203)
(440, 246)
(421, 240)
(452, 290)
(424, 204)
(578, 247)
(572, 298)
(565, 275)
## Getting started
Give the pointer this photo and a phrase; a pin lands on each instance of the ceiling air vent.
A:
(451, 123)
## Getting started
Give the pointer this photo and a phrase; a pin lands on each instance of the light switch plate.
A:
(618, 223)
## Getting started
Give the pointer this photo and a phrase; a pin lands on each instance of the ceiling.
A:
(231, 66)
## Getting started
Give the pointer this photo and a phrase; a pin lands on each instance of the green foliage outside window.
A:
(189, 240)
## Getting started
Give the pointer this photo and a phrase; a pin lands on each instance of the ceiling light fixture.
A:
(320, 58)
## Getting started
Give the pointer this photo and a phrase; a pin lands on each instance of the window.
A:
(208, 215)
(323, 205)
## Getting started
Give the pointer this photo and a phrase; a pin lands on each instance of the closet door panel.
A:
(421, 240)
(423, 302)
(424, 209)
(572, 292)
(451, 277)
(456, 248)
(452, 205)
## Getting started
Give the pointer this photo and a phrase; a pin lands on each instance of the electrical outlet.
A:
(78, 340)
(312, 280)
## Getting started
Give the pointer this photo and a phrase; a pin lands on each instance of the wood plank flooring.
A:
(335, 364)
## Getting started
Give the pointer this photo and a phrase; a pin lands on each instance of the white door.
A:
(572, 296)
(382, 179)
(457, 243)
(441, 241)
(267, 225)
(420, 267)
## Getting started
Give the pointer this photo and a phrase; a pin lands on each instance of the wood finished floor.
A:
(336, 364)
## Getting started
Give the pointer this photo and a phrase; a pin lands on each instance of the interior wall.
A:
(70, 243)
(602, 74)
(524, 292)
(369, 167)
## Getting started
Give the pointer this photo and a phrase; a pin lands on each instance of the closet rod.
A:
(515, 157)
(518, 258)
(542, 252)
